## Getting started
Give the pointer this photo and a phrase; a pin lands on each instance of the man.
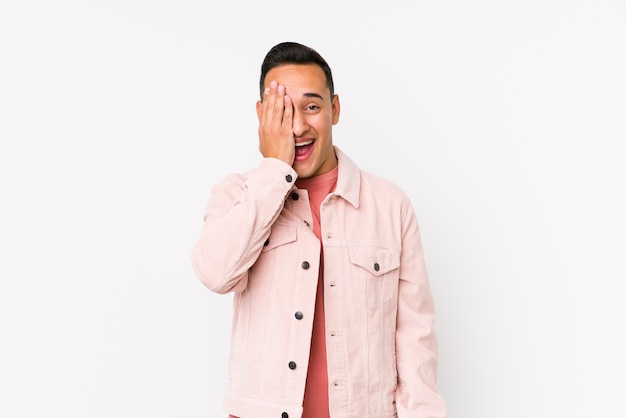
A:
(333, 314)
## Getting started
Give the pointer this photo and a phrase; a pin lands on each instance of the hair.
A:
(294, 53)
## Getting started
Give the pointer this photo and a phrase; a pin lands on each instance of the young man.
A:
(333, 314)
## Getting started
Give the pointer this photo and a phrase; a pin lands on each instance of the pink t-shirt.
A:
(316, 390)
(315, 402)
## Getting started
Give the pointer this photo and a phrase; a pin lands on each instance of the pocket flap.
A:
(375, 260)
(280, 235)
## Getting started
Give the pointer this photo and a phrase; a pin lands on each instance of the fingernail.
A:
(266, 91)
(273, 84)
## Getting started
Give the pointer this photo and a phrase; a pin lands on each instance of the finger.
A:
(279, 103)
(269, 102)
(288, 114)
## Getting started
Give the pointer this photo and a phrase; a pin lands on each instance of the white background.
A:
(504, 121)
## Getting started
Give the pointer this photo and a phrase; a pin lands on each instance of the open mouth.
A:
(304, 148)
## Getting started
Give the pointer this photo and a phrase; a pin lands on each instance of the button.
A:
(376, 266)
(294, 196)
(266, 243)
(284, 415)
(305, 265)
(288, 178)
(299, 315)
(292, 365)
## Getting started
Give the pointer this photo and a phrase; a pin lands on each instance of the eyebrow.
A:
(313, 95)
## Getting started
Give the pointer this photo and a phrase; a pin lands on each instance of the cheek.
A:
(321, 122)
(323, 127)
(324, 122)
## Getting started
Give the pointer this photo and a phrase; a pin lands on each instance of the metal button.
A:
(292, 365)
(288, 178)
(305, 265)
(376, 266)
(294, 196)
(267, 241)
(299, 315)
(284, 415)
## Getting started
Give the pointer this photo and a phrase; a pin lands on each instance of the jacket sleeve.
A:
(237, 221)
(417, 395)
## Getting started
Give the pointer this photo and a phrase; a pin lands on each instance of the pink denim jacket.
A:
(257, 241)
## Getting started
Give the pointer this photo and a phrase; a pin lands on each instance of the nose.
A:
(299, 124)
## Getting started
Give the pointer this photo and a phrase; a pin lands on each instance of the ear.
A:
(336, 107)
(259, 109)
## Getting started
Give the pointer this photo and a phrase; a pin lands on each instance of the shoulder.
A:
(355, 180)
(382, 186)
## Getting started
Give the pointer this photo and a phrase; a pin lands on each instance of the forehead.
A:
(299, 79)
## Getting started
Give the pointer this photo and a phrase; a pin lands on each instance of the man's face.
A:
(314, 114)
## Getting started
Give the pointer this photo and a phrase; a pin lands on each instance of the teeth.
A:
(302, 144)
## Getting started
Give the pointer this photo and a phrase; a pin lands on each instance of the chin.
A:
(304, 173)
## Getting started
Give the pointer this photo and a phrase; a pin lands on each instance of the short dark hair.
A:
(294, 53)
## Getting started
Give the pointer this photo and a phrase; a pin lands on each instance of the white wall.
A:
(503, 120)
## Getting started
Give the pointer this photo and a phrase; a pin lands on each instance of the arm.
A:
(417, 395)
(237, 222)
(241, 210)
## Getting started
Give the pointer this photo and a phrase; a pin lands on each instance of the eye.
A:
(312, 108)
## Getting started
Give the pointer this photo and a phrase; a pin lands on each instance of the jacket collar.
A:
(348, 179)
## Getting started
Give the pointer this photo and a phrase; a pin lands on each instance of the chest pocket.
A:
(276, 258)
(376, 273)
(280, 235)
